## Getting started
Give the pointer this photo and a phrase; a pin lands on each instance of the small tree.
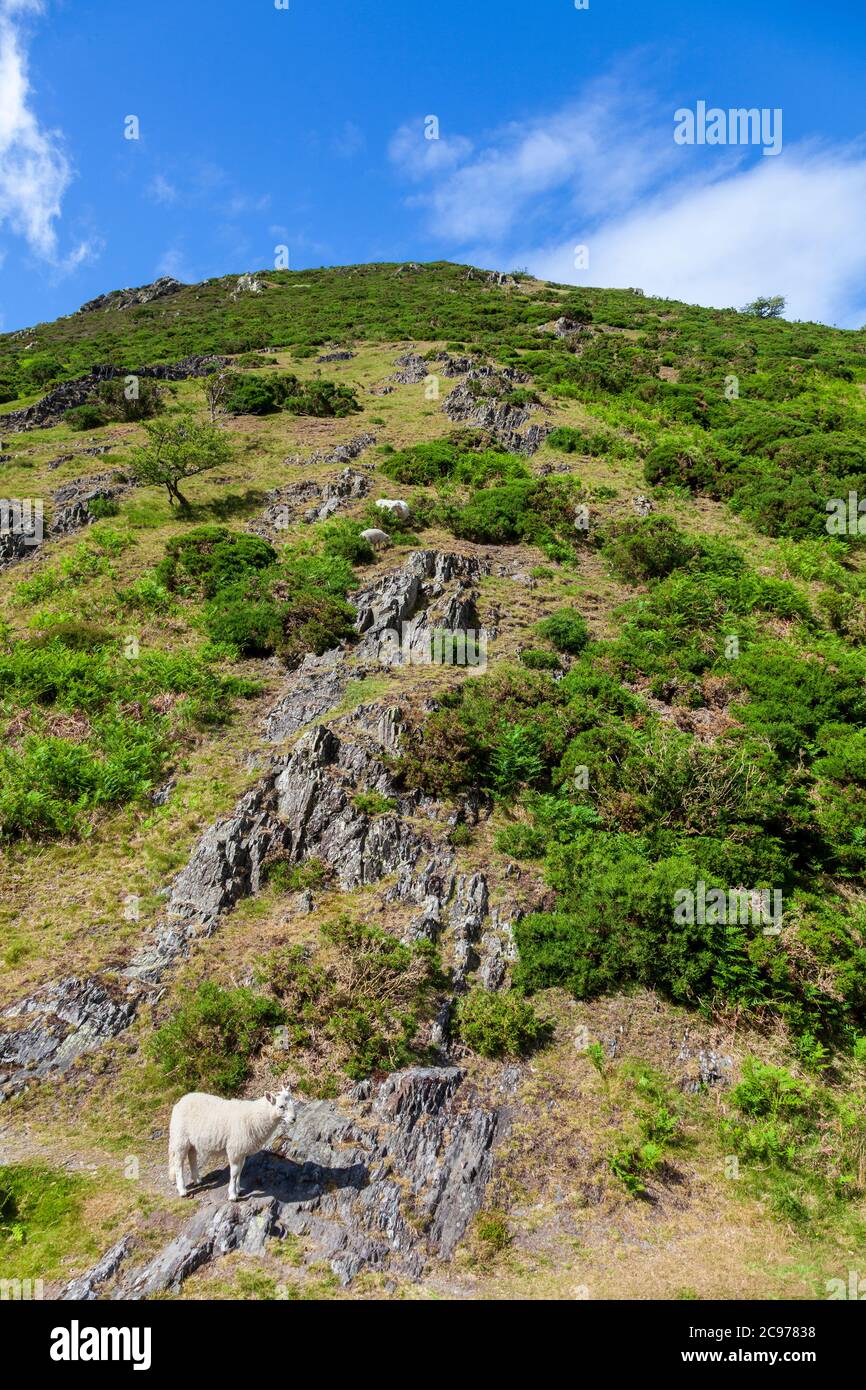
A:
(216, 387)
(178, 449)
(766, 306)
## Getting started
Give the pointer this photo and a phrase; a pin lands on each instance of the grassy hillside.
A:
(665, 754)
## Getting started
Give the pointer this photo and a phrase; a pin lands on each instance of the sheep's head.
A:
(282, 1101)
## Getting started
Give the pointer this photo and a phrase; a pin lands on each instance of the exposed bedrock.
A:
(385, 1180)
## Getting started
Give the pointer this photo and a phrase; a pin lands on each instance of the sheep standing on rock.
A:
(203, 1124)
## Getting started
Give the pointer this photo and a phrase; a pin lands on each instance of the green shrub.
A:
(355, 1007)
(567, 440)
(539, 660)
(643, 548)
(86, 417)
(492, 1232)
(373, 803)
(343, 538)
(422, 463)
(294, 878)
(499, 1024)
(680, 463)
(211, 1039)
(113, 398)
(566, 630)
(250, 395)
(539, 512)
(102, 507)
(210, 558)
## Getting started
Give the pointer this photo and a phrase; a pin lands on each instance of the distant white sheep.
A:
(395, 506)
(207, 1125)
(375, 537)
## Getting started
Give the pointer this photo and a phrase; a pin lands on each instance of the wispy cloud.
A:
(419, 153)
(708, 225)
(350, 141)
(161, 190)
(791, 226)
(34, 168)
(174, 262)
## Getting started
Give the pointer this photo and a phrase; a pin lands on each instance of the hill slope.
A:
(527, 842)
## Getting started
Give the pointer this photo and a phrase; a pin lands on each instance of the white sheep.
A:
(208, 1125)
(375, 537)
(395, 506)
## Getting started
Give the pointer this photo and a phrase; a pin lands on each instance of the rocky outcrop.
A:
(95, 451)
(339, 356)
(246, 284)
(125, 299)
(433, 590)
(71, 510)
(506, 422)
(285, 505)
(350, 486)
(62, 1021)
(413, 369)
(304, 806)
(289, 503)
(342, 453)
(21, 534)
(389, 1179)
(72, 501)
(499, 278)
(455, 366)
(86, 1289)
(317, 686)
(52, 407)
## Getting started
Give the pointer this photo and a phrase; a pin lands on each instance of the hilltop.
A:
(521, 827)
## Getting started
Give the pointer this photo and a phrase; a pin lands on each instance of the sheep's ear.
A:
(270, 1098)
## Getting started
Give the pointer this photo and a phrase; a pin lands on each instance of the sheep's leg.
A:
(235, 1169)
(177, 1158)
(192, 1157)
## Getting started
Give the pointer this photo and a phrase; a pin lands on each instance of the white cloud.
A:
(790, 226)
(161, 191)
(174, 262)
(34, 169)
(418, 157)
(707, 225)
(350, 141)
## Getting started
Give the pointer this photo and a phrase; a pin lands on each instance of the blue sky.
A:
(305, 127)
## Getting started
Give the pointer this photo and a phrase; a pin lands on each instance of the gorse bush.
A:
(499, 1024)
(258, 604)
(284, 391)
(210, 1041)
(566, 630)
(539, 512)
(644, 548)
(210, 558)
